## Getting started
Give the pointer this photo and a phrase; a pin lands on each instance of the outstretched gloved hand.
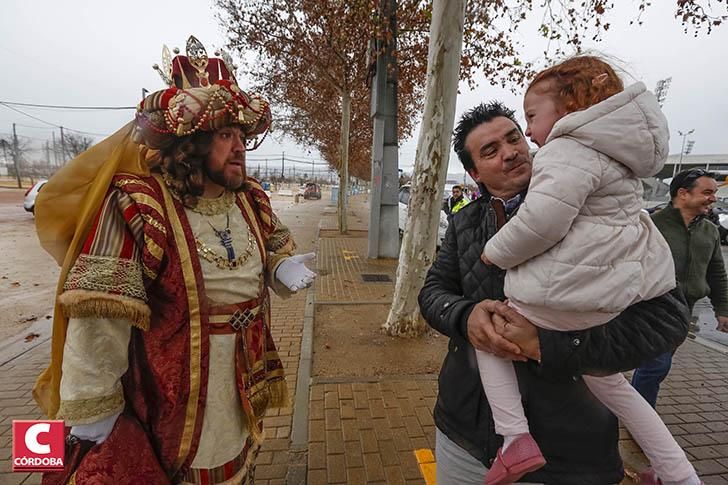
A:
(98, 431)
(294, 274)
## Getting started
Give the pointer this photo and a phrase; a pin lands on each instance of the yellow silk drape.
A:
(64, 212)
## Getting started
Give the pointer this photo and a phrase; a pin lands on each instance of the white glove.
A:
(294, 274)
(98, 431)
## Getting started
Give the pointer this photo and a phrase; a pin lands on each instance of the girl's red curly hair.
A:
(578, 83)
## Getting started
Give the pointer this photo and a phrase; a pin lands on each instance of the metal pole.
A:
(63, 147)
(55, 149)
(682, 149)
(15, 157)
(283, 167)
(383, 238)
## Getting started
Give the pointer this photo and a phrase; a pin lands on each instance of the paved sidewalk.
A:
(17, 376)
(365, 429)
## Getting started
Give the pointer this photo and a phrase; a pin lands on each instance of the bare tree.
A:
(77, 144)
(314, 61)
(565, 24)
(431, 161)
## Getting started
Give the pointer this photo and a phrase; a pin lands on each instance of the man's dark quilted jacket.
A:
(577, 435)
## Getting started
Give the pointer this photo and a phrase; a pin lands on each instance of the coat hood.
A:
(628, 127)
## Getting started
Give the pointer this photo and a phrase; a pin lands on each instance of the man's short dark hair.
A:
(482, 113)
(687, 180)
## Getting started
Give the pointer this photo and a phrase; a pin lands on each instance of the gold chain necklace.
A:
(222, 262)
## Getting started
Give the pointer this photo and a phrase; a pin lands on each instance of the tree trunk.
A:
(343, 204)
(431, 162)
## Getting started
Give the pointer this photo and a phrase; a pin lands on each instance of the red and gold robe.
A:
(155, 281)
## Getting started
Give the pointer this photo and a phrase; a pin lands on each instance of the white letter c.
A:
(31, 438)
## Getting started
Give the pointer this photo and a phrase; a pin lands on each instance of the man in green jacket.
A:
(699, 268)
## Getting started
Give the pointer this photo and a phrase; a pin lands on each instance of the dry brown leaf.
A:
(31, 336)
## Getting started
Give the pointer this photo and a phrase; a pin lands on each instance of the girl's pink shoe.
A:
(649, 477)
(521, 457)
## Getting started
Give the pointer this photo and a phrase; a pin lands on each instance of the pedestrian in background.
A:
(456, 201)
(699, 267)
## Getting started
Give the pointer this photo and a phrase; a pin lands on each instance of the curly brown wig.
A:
(182, 163)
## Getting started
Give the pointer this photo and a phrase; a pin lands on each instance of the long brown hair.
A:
(578, 83)
(182, 162)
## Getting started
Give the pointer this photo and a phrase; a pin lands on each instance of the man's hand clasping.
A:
(483, 336)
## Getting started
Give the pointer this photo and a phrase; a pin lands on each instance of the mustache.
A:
(509, 166)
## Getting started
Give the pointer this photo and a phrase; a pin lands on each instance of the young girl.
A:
(580, 249)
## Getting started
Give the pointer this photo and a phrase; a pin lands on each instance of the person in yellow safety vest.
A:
(456, 201)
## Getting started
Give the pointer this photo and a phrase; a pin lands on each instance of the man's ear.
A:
(474, 175)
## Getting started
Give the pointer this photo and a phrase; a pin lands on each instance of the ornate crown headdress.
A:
(203, 94)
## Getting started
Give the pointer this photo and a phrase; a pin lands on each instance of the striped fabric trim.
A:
(147, 200)
(195, 329)
(121, 182)
(241, 468)
(114, 235)
(152, 235)
(154, 223)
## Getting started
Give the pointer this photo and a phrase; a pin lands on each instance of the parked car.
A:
(656, 208)
(31, 194)
(404, 198)
(312, 191)
(719, 216)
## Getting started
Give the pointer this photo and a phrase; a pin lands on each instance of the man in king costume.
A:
(162, 360)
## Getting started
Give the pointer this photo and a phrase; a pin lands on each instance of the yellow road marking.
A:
(349, 255)
(426, 462)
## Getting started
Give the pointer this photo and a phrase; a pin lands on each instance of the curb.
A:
(299, 427)
(17, 346)
(298, 452)
(709, 344)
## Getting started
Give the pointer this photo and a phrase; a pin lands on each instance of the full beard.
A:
(229, 182)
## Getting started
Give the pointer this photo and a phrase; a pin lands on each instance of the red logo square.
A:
(38, 446)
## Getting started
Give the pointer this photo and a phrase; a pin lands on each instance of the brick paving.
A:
(364, 429)
(18, 376)
(693, 402)
(365, 432)
(341, 262)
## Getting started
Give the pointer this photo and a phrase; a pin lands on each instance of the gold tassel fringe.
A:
(95, 304)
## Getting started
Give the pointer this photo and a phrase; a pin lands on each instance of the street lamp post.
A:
(661, 90)
(682, 148)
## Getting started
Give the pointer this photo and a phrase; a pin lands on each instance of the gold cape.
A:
(64, 212)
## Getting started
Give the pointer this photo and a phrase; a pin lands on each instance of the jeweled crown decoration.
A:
(203, 94)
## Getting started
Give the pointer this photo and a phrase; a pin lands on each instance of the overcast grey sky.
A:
(99, 53)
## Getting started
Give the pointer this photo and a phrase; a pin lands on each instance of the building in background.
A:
(717, 164)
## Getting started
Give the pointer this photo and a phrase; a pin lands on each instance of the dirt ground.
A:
(28, 275)
(348, 342)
